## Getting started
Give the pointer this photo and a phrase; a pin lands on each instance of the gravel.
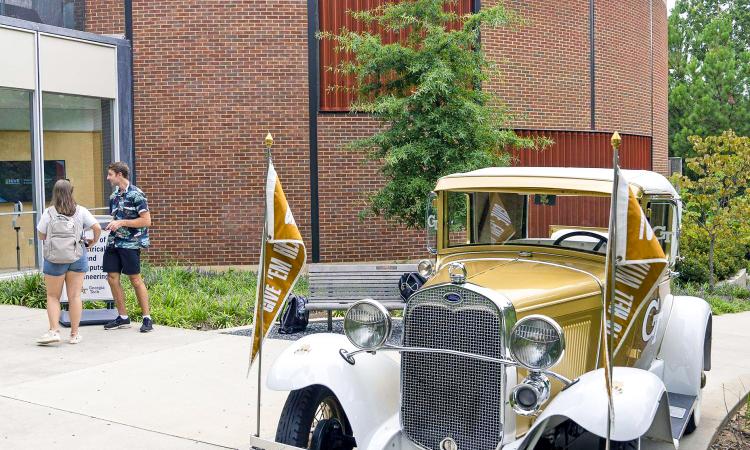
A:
(315, 328)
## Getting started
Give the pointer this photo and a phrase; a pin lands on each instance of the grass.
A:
(724, 299)
(178, 296)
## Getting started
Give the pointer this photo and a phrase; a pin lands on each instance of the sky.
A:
(670, 4)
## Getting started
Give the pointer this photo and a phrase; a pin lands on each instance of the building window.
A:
(78, 144)
(17, 186)
(59, 13)
(335, 88)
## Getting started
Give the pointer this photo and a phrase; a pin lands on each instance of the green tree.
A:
(425, 90)
(709, 70)
(716, 199)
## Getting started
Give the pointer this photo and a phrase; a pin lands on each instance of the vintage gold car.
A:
(501, 348)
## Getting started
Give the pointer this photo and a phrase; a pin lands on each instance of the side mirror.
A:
(431, 223)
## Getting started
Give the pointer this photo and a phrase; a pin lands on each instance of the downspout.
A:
(313, 82)
(129, 36)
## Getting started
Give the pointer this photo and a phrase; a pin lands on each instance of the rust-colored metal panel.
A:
(336, 89)
(578, 149)
(584, 149)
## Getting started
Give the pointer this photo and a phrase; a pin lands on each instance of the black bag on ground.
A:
(409, 283)
(295, 317)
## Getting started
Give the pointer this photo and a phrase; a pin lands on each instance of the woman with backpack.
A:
(62, 227)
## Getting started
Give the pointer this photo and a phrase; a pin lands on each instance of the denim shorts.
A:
(57, 269)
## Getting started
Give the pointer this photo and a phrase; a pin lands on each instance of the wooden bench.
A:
(338, 286)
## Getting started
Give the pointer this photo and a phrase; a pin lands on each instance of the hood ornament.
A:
(457, 273)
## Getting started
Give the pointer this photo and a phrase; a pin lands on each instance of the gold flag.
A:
(639, 266)
(284, 257)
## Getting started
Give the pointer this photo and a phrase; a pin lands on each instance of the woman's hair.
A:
(62, 198)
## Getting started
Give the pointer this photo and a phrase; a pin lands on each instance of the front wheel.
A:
(313, 410)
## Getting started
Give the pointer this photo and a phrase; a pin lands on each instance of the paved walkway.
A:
(169, 389)
(175, 389)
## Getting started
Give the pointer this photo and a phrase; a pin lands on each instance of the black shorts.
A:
(122, 260)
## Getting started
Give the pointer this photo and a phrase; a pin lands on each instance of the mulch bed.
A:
(736, 433)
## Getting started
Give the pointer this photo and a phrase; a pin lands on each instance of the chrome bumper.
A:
(257, 443)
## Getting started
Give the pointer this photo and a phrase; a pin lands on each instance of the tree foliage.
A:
(425, 90)
(717, 202)
(709, 70)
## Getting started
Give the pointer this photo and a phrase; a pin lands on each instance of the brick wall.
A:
(105, 16)
(345, 179)
(660, 156)
(623, 82)
(212, 77)
(544, 65)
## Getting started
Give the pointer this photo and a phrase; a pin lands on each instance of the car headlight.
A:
(367, 324)
(537, 342)
(426, 268)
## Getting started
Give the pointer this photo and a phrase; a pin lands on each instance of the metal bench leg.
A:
(330, 320)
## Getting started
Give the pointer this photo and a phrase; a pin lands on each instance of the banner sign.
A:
(284, 257)
(95, 286)
(639, 264)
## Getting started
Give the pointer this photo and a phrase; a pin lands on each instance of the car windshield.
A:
(482, 218)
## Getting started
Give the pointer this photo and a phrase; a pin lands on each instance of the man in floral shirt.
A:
(128, 234)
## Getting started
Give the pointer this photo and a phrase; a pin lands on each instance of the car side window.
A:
(661, 217)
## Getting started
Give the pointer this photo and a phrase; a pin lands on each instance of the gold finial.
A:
(269, 140)
(616, 140)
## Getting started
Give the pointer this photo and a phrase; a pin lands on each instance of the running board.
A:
(680, 408)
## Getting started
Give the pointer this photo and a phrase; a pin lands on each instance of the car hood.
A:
(530, 282)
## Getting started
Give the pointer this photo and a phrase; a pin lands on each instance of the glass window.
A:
(60, 13)
(661, 220)
(78, 145)
(489, 218)
(17, 188)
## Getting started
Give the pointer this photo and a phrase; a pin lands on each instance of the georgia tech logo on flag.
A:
(284, 257)
(639, 266)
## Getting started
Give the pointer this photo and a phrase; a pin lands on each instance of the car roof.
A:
(559, 180)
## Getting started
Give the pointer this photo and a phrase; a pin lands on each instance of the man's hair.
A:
(120, 167)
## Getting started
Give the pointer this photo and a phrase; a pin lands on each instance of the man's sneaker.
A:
(75, 338)
(50, 337)
(148, 325)
(119, 322)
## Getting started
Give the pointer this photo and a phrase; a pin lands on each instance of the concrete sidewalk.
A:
(728, 381)
(171, 388)
(179, 389)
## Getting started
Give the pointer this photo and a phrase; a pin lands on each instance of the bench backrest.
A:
(353, 282)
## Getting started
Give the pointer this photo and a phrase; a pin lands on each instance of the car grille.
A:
(447, 395)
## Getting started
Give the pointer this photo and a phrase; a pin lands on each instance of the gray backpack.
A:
(64, 243)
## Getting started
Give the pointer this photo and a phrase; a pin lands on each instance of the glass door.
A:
(18, 243)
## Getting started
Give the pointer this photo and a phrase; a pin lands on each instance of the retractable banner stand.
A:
(95, 286)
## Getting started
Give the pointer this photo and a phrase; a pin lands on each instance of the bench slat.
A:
(338, 286)
(344, 305)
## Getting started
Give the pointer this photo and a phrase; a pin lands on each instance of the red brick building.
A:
(211, 78)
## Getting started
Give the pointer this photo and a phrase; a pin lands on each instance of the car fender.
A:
(686, 348)
(368, 390)
(641, 407)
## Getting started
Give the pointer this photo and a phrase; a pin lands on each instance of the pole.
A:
(17, 207)
(18, 249)
(261, 278)
(612, 249)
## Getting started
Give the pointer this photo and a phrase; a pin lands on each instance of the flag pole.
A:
(261, 278)
(612, 249)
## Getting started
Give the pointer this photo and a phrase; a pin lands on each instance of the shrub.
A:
(179, 297)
